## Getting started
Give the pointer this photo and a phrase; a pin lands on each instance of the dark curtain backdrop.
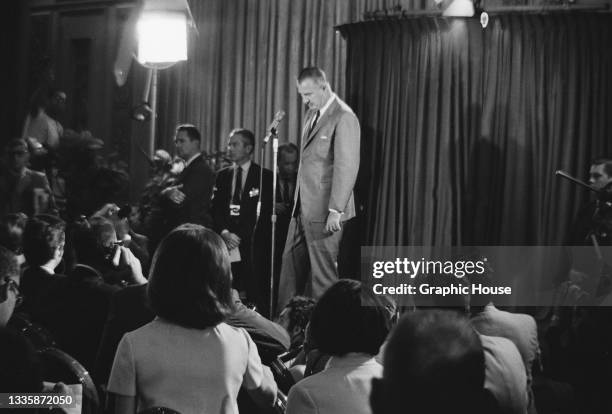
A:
(463, 128)
(243, 64)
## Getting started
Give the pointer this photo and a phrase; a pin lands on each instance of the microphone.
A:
(272, 128)
(563, 174)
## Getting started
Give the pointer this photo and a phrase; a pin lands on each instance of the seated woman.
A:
(187, 359)
(350, 324)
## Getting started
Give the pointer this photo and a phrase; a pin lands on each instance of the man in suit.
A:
(234, 209)
(22, 189)
(324, 191)
(189, 199)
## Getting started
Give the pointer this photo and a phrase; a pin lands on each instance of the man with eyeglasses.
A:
(10, 297)
(22, 189)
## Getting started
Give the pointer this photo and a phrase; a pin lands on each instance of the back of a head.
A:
(42, 236)
(190, 278)
(429, 354)
(349, 318)
(11, 231)
(9, 266)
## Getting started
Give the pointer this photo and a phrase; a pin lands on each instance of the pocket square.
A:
(324, 137)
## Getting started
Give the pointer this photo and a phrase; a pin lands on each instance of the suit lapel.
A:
(328, 114)
(251, 181)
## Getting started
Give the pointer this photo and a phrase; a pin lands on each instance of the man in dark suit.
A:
(21, 189)
(189, 199)
(234, 204)
(329, 163)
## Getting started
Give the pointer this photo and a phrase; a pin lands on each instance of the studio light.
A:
(162, 37)
(456, 8)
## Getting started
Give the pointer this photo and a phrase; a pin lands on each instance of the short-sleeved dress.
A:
(187, 370)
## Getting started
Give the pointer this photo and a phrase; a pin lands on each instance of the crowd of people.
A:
(165, 302)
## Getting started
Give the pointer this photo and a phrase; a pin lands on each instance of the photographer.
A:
(99, 260)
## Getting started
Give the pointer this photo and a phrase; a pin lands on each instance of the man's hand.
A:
(333, 222)
(109, 210)
(231, 240)
(128, 259)
(174, 193)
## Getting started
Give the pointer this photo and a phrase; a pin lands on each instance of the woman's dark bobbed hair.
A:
(190, 279)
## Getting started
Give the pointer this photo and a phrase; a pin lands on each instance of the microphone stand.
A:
(274, 136)
(273, 217)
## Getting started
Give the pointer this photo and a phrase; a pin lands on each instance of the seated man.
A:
(21, 189)
(434, 364)
(43, 245)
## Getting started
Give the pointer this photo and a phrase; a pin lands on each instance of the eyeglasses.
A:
(14, 287)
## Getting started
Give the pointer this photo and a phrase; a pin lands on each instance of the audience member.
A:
(22, 189)
(11, 234)
(350, 324)
(129, 310)
(42, 121)
(294, 318)
(83, 310)
(434, 364)
(43, 245)
(208, 362)
(505, 375)
(9, 286)
(519, 328)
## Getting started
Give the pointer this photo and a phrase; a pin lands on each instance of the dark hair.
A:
(248, 136)
(289, 148)
(606, 162)
(42, 236)
(299, 311)
(9, 236)
(434, 350)
(314, 73)
(349, 318)
(190, 279)
(19, 364)
(88, 239)
(190, 130)
(9, 267)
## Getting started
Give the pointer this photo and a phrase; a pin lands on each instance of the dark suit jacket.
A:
(42, 293)
(82, 316)
(243, 227)
(197, 180)
(129, 311)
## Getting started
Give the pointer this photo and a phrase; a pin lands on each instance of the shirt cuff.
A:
(333, 210)
(224, 231)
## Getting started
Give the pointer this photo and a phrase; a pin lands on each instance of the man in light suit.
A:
(324, 190)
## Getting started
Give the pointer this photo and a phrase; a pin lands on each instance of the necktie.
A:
(314, 122)
(238, 186)
(286, 191)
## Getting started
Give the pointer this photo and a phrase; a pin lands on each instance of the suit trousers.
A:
(309, 261)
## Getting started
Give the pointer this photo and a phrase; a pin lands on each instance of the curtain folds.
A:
(464, 127)
(243, 64)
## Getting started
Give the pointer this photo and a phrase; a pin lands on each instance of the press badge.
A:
(234, 210)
